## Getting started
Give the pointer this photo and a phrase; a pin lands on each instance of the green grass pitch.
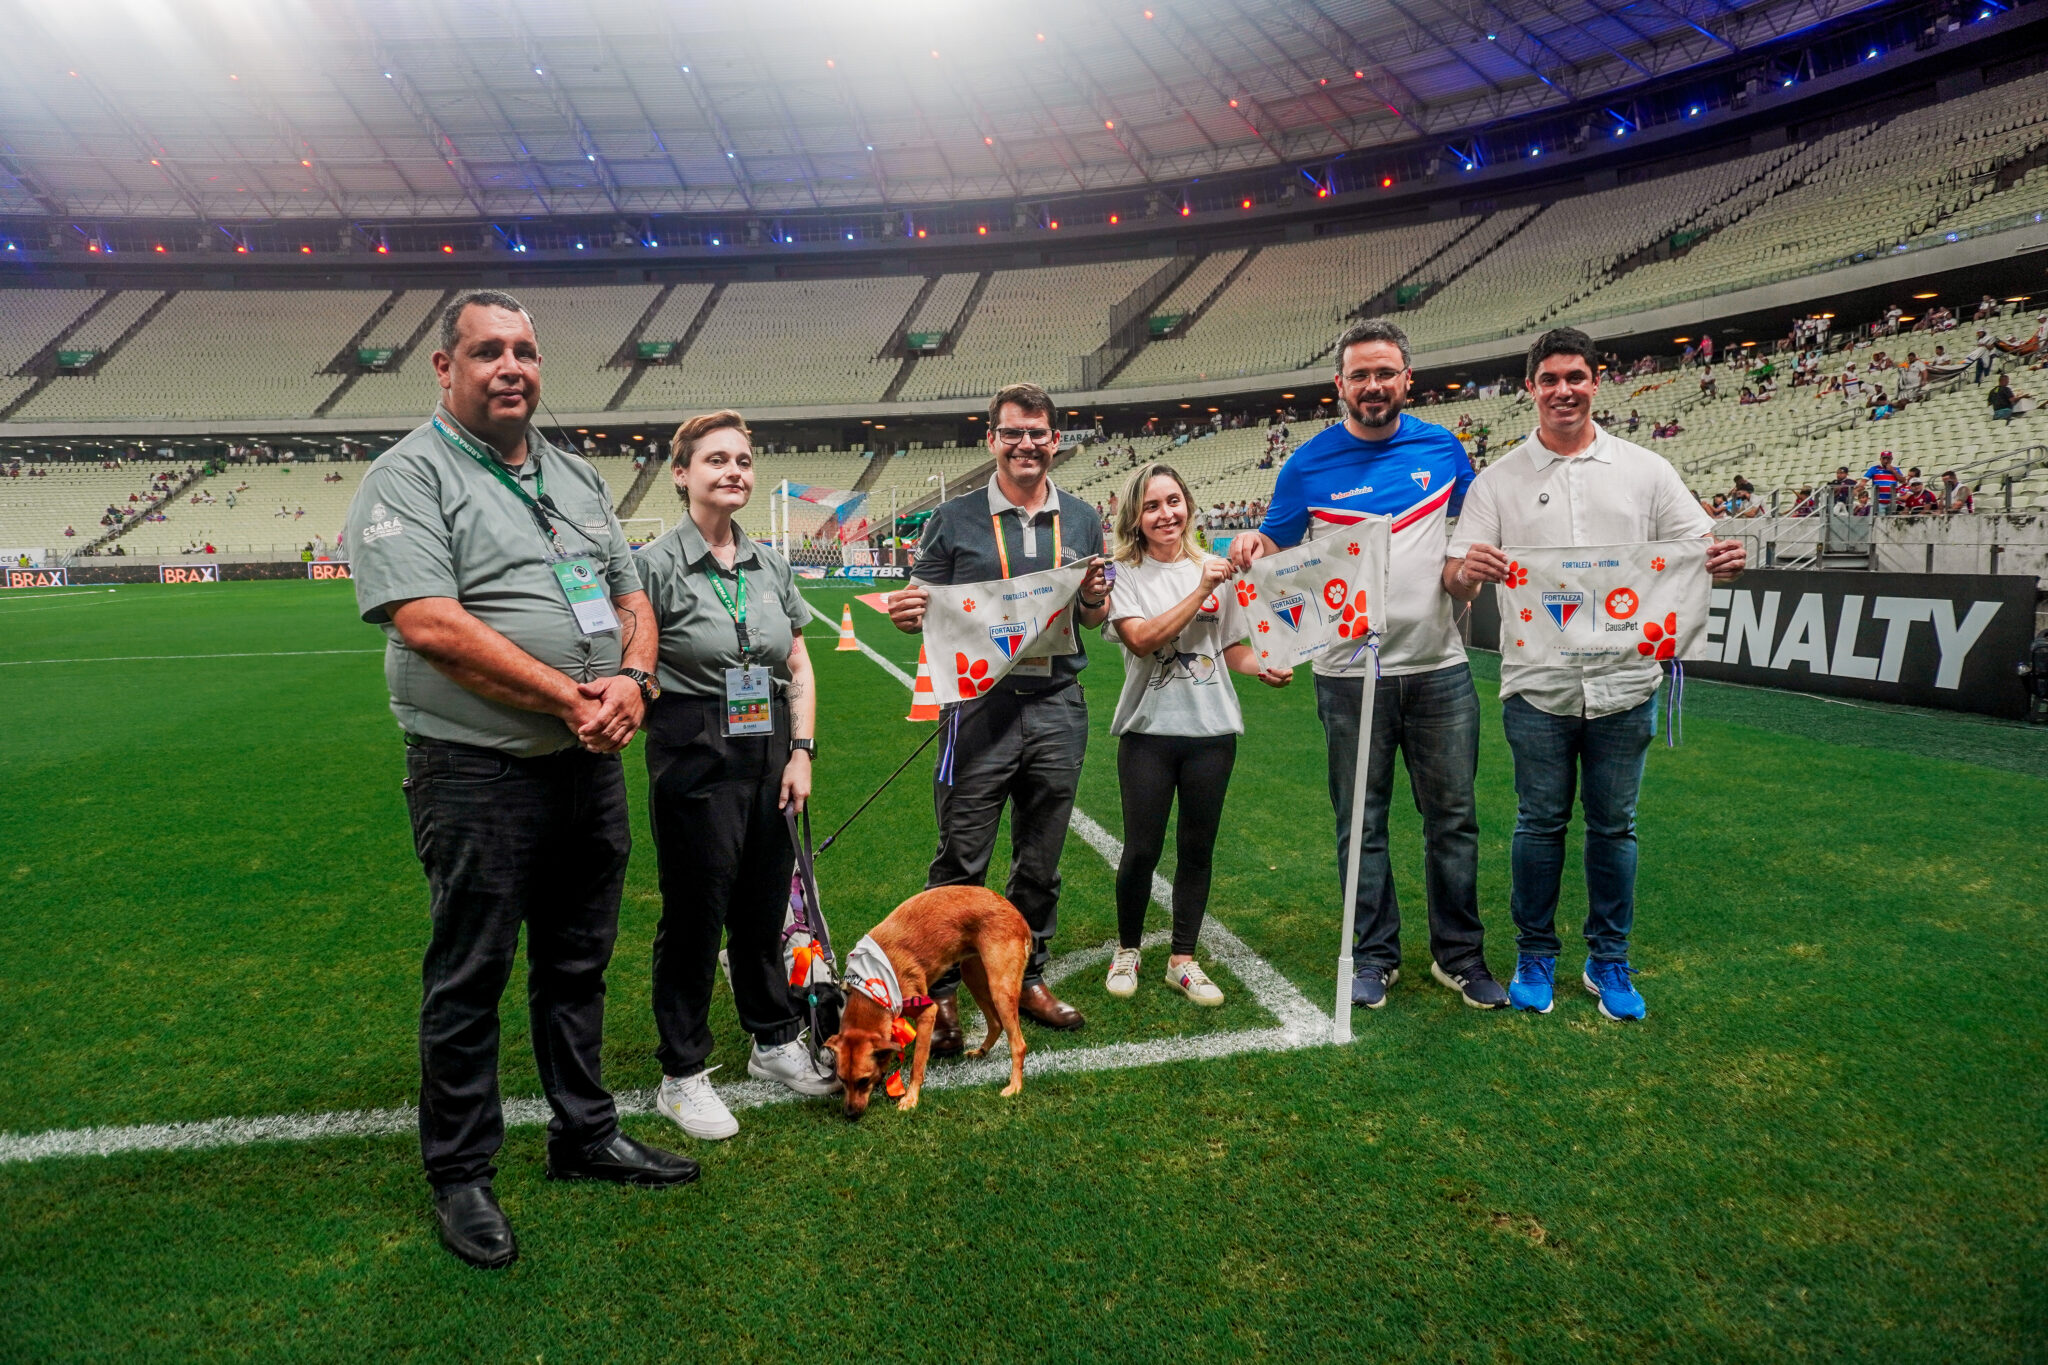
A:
(1826, 1142)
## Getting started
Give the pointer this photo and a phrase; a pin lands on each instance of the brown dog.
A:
(922, 937)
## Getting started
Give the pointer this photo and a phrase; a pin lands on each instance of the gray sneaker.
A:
(1475, 985)
(1369, 986)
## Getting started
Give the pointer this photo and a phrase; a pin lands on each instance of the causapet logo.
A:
(1289, 609)
(1334, 593)
(1009, 637)
(1563, 606)
(1622, 603)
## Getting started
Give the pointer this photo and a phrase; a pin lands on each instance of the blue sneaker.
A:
(1369, 986)
(1609, 981)
(1531, 988)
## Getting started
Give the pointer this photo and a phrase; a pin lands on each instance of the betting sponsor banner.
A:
(1317, 599)
(866, 571)
(1587, 605)
(977, 632)
(38, 578)
(321, 570)
(188, 573)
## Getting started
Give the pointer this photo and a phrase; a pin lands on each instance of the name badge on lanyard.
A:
(749, 700)
(585, 591)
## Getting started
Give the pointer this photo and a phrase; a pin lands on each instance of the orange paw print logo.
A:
(1353, 625)
(1517, 575)
(973, 678)
(1527, 615)
(1246, 593)
(1518, 644)
(967, 604)
(1352, 548)
(1660, 639)
(1622, 603)
(1211, 604)
(1265, 626)
(1334, 593)
(1657, 564)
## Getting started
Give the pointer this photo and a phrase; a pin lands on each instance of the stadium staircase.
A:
(874, 470)
(345, 363)
(952, 333)
(689, 339)
(1388, 299)
(44, 362)
(898, 344)
(114, 533)
(627, 357)
(48, 356)
(1194, 315)
(649, 475)
(1130, 325)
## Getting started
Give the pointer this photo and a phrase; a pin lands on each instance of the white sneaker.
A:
(1123, 973)
(791, 1064)
(693, 1106)
(1190, 980)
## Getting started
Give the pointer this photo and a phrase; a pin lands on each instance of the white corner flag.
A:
(978, 632)
(1317, 603)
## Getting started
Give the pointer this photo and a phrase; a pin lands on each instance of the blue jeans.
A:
(1603, 758)
(1433, 719)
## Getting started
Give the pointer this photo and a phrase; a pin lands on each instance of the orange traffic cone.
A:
(924, 702)
(846, 640)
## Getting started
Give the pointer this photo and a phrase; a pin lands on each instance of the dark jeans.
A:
(1433, 719)
(506, 841)
(1025, 751)
(1603, 759)
(725, 860)
(1150, 771)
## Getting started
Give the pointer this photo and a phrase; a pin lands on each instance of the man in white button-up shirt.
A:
(1571, 483)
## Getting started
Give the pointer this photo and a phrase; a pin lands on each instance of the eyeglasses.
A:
(1017, 436)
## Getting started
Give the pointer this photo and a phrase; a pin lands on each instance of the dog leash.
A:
(834, 835)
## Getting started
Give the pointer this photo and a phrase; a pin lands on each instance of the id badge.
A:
(1032, 668)
(583, 586)
(749, 701)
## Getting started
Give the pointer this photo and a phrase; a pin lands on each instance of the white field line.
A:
(1300, 1025)
(60, 606)
(152, 658)
(72, 592)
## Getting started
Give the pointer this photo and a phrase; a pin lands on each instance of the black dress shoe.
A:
(946, 1038)
(475, 1228)
(623, 1161)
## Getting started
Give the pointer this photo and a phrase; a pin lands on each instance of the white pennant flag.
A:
(1318, 599)
(977, 632)
(1589, 605)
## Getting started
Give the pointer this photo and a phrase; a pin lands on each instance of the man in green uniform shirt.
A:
(518, 644)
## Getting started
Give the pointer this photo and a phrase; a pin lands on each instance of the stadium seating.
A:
(212, 353)
(1287, 305)
(35, 511)
(29, 320)
(407, 389)
(1029, 325)
(786, 343)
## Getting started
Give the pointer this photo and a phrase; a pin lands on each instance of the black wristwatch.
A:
(808, 746)
(650, 690)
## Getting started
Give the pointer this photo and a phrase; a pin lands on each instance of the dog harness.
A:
(869, 971)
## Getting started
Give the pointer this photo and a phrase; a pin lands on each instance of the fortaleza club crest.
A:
(1009, 637)
(1563, 606)
(1421, 477)
(1289, 609)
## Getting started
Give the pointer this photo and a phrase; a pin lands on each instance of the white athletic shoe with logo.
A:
(693, 1106)
(791, 1064)
(1190, 980)
(1123, 973)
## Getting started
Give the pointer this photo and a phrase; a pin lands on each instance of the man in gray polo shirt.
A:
(518, 644)
(1021, 744)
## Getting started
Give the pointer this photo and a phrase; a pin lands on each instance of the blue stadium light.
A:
(728, 156)
(716, 242)
(849, 236)
(1693, 112)
(1489, 37)
(686, 71)
(579, 246)
(1535, 151)
(538, 72)
(1871, 55)
(590, 156)
(1788, 83)
(869, 145)
(1619, 131)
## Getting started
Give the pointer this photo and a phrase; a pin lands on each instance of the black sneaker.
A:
(1475, 985)
(1369, 986)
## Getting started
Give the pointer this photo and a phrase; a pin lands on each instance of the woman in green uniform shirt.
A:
(729, 746)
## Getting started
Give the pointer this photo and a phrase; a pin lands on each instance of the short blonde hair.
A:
(1130, 540)
(683, 444)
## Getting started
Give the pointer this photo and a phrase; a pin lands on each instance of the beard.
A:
(1357, 411)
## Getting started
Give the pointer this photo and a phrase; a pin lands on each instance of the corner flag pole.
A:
(1340, 1017)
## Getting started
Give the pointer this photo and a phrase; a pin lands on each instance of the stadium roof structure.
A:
(291, 109)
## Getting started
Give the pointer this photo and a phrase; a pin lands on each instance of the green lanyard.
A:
(737, 612)
(469, 448)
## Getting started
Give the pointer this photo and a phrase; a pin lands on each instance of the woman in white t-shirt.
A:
(1177, 721)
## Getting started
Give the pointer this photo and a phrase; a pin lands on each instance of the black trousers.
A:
(508, 841)
(725, 862)
(1023, 751)
(1151, 770)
